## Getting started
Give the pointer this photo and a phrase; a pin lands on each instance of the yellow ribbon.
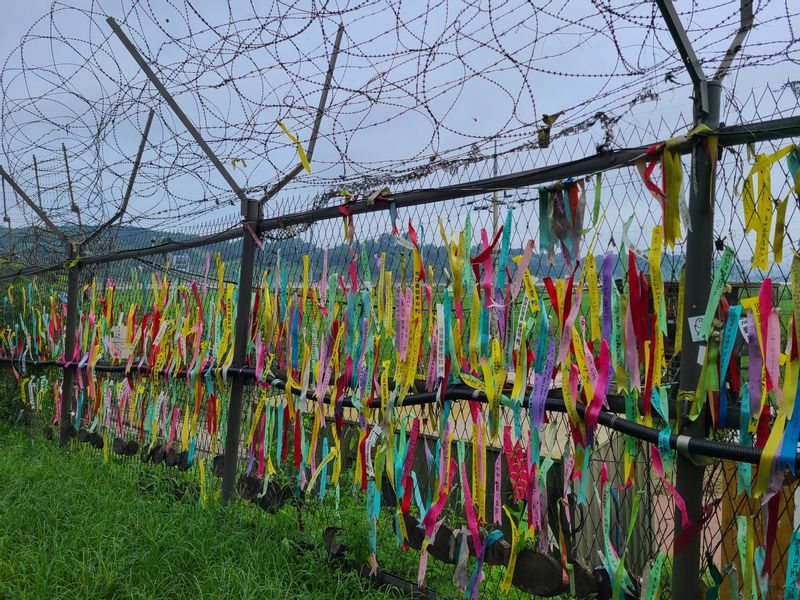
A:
(594, 296)
(255, 419)
(337, 467)
(768, 454)
(516, 540)
(300, 152)
(673, 180)
(202, 465)
(580, 358)
(331, 455)
(758, 207)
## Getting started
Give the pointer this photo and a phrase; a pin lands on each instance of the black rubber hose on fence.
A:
(691, 445)
(554, 403)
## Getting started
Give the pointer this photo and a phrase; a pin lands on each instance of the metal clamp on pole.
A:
(685, 398)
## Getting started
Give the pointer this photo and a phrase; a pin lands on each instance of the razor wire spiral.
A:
(420, 90)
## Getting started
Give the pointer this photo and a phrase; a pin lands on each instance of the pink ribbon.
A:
(410, 452)
(435, 510)
(173, 428)
(600, 389)
(631, 353)
(772, 352)
(472, 523)
(523, 264)
(679, 502)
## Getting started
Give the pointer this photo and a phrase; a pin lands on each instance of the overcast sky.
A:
(17, 19)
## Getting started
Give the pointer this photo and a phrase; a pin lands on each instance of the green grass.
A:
(72, 526)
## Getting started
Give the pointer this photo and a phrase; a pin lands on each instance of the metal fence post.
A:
(241, 337)
(71, 325)
(699, 260)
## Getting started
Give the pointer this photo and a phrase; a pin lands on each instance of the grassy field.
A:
(72, 526)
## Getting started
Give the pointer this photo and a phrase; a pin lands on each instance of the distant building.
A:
(179, 260)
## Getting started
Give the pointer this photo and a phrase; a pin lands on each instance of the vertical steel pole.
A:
(241, 337)
(68, 384)
(699, 261)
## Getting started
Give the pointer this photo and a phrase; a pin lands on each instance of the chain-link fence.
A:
(371, 341)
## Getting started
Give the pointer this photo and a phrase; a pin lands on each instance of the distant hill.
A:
(43, 247)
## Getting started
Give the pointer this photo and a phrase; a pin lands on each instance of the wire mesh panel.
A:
(762, 237)
(168, 400)
(474, 394)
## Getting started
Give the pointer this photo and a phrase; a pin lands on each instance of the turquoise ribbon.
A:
(791, 590)
(79, 410)
(279, 435)
(373, 510)
(744, 470)
(323, 479)
(190, 453)
(545, 213)
(500, 278)
(541, 339)
(483, 328)
(659, 402)
(585, 471)
(726, 351)
(418, 497)
(283, 292)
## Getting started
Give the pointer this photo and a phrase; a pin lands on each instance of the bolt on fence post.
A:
(241, 338)
(699, 261)
(71, 326)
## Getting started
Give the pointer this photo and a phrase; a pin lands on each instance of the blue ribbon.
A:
(493, 536)
(726, 350)
(790, 439)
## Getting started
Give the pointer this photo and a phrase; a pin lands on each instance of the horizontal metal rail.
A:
(733, 135)
(554, 403)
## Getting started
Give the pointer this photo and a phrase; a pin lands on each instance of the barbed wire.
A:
(420, 88)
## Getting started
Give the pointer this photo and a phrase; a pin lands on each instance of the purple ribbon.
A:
(607, 277)
(754, 366)
(541, 386)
